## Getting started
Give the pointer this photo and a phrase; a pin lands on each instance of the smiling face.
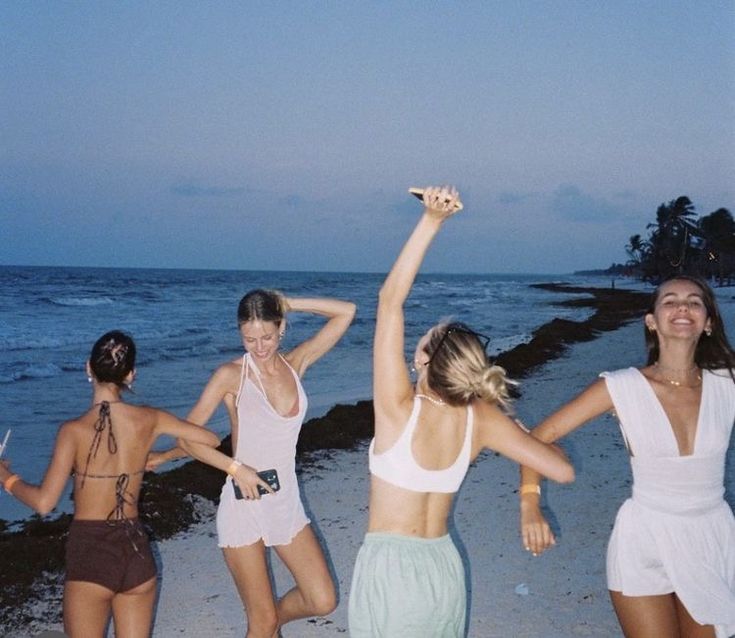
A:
(260, 338)
(679, 311)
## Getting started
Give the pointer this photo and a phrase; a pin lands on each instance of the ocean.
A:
(184, 324)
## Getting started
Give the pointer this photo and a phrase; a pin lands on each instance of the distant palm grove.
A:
(679, 242)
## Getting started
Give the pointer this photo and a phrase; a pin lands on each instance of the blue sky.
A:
(284, 135)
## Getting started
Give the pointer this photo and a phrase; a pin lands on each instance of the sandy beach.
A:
(512, 593)
(566, 588)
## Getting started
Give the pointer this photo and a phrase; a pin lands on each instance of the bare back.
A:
(435, 445)
(130, 432)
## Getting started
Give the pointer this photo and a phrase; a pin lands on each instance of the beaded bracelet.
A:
(10, 481)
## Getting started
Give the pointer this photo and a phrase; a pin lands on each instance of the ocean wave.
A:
(78, 301)
(29, 342)
(34, 371)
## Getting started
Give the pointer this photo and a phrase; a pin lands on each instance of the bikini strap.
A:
(244, 375)
(103, 422)
(117, 515)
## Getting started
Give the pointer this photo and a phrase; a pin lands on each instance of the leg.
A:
(87, 609)
(690, 628)
(646, 616)
(314, 593)
(249, 569)
(132, 610)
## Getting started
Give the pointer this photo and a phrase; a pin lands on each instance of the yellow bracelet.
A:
(10, 481)
(530, 488)
(233, 467)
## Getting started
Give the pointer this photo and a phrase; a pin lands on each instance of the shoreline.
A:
(32, 557)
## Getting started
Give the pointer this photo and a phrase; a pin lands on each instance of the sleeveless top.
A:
(676, 522)
(265, 440)
(398, 466)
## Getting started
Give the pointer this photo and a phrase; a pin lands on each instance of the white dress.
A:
(265, 440)
(676, 533)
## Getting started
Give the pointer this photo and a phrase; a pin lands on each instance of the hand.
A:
(441, 201)
(535, 531)
(154, 460)
(5, 471)
(248, 480)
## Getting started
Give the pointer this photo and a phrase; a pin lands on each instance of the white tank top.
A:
(398, 467)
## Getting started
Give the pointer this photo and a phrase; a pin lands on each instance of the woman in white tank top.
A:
(409, 580)
(266, 403)
(671, 555)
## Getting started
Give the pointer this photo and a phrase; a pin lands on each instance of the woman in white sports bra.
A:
(266, 403)
(409, 579)
(671, 555)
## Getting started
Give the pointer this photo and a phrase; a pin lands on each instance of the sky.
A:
(284, 135)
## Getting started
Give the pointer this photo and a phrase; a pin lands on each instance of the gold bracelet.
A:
(10, 481)
(233, 467)
(530, 488)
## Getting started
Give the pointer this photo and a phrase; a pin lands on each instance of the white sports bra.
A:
(398, 467)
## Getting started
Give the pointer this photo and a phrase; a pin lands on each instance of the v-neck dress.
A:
(676, 533)
(265, 440)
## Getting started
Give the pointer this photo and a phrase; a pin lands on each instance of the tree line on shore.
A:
(679, 242)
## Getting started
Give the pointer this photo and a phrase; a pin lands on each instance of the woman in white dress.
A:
(266, 403)
(671, 555)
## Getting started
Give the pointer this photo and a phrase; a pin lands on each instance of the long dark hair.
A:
(713, 351)
(113, 358)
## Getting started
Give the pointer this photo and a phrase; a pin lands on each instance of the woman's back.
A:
(417, 469)
(111, 443)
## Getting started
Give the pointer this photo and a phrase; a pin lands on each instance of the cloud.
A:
(508, 197)
(197, 190)
(571, 203)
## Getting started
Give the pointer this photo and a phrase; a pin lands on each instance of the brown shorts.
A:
(116, 555)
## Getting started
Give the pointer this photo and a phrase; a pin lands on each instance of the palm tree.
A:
(671, 235)
(637, 249)
(718, 230)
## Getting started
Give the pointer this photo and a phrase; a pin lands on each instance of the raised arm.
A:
(592, 402)
(339, 316)
(391, 383)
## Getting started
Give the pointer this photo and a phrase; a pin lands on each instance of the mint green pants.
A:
(407, 587)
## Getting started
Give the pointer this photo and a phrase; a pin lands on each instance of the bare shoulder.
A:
(487, 413)
(228, 374)
(74, 427)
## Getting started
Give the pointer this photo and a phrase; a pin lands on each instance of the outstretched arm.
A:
(535, 530)
(339, 316)
(391, 384)
(43, 498)
(214, 392)
(499, 432)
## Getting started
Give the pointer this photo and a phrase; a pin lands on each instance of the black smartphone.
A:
(417, 192)
(269, 476)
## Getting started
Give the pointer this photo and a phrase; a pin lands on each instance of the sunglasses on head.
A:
(458, 327)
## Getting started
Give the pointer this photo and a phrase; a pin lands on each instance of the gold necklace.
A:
(674, 382)
(437, 402)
